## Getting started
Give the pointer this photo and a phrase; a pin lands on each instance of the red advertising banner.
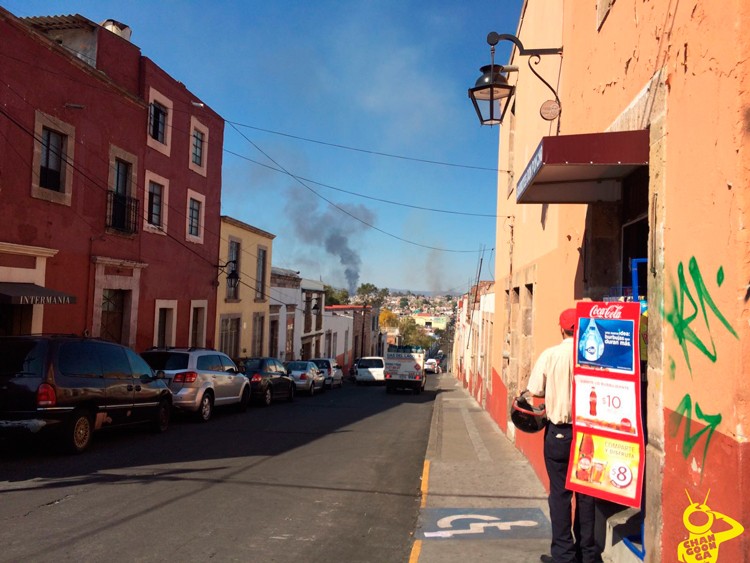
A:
(607, 454)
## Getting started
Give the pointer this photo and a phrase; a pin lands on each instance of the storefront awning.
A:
(32, 294)
(582, 168)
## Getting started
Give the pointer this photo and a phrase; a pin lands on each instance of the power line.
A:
(366, 151)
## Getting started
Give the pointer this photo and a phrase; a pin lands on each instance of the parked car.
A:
(431, 366)
(370, 369)
(200, 378)
(73, 386)
(307, 377)
(268, 378)
(332, 372)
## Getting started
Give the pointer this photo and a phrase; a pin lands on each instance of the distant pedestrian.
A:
(552, 378)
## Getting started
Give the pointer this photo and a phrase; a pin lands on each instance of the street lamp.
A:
(233, 277)
(491, 93)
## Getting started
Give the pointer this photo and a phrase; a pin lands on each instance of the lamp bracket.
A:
(493, 38)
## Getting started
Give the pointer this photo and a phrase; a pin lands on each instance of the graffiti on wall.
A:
(684, 412)
(707, 530)
(692, 309)
(684, 316)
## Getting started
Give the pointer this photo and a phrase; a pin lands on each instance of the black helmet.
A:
(526, 417)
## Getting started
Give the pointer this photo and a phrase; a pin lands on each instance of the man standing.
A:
(552, 378)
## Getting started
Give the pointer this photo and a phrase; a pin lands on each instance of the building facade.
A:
(111, 179)
(636, 190)
(243, 319)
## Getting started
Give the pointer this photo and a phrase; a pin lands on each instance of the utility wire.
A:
(366, 151)
(431, 209)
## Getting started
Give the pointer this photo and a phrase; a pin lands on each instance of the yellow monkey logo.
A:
(702, 543)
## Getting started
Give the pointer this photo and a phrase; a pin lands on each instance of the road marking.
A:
(425, 482)
(416, 549)
(473, 523)
(475, 527)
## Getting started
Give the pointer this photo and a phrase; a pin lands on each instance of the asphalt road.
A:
(335, 477)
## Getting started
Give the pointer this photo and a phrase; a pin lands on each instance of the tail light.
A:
(330, 371)
(185, 377)
(256, 378)
(45, 396)
(418, 377)
(303, 376)
(387, 375)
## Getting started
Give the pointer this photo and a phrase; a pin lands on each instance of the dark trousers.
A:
(565, 548)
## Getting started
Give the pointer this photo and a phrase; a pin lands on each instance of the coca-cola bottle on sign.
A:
(592, 402)
(585, 458)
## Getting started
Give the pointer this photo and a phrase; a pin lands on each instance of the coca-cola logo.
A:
(608, 312)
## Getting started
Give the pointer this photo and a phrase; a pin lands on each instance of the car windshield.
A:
(166, 360)
(297, 366)
(321, 363)
(370, 363)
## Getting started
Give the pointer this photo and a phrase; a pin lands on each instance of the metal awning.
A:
(582, 168)
(31, 294)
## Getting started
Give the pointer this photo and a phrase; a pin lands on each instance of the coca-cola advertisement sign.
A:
(606, 340)
(606, 312)
(606, 457)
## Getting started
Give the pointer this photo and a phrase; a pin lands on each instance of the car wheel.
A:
(79, 432)
(162, 418)
(206, 408)
(244, 400)
(267, 397)
(290, 396)
(312, 388)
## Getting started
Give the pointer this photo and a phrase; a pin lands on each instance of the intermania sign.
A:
(46, 300)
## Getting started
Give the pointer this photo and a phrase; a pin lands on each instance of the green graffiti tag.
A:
(681, 320)
(685, 412)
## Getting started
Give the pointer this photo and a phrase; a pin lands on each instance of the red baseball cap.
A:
(568, 319)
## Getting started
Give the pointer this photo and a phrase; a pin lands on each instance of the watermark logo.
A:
(703, 541)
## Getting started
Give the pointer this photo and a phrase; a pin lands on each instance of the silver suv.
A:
(200, 378)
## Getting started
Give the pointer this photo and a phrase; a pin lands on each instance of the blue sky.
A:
(314, 95)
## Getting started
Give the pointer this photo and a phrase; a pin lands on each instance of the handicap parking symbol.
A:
(501, 523)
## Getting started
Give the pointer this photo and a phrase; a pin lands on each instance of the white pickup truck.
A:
(404, 368)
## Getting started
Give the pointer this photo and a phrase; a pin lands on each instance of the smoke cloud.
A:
(329, 229)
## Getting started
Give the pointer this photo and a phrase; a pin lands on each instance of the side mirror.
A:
(159, 374)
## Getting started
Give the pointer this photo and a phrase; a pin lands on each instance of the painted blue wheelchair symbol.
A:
(483, 524)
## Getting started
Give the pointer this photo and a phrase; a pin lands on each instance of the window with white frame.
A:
(160, 116)
(54, 143)
(198, 161)
(155, 203)
(195, 214)
(157, 122)
(122, 205)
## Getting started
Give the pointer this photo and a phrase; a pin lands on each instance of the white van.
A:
(370, 369)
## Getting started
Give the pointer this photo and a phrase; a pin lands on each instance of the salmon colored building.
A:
(630, 168)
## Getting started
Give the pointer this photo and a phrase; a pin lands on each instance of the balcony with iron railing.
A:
(122, 213)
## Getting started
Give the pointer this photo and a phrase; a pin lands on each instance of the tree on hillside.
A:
(404, 302)
(336, 296)
(388, 318)
(370, 294)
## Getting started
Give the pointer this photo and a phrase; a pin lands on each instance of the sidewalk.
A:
(481, 499)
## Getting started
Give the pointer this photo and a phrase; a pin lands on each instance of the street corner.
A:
(490, 524)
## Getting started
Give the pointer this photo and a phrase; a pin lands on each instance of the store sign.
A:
(607, 454)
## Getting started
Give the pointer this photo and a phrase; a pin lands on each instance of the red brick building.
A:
(110, 181)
